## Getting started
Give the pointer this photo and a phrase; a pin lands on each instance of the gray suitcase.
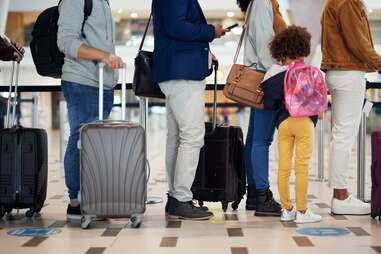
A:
(113, 166)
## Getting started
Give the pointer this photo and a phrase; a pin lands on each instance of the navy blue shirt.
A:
(274, 98)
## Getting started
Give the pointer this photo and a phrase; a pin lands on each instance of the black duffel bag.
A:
(143, 84)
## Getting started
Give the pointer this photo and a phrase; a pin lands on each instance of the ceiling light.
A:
(230, 14)
(120, 11)
(370, 10)
(134, 15)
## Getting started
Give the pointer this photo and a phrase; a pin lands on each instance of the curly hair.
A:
(293, 42)
(243, 4)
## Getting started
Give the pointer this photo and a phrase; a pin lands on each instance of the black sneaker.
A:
(266, 205)
(74, 212)
(187, 211)
(251, 198)
(170, 201)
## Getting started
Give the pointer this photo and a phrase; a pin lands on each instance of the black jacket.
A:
(274, 98)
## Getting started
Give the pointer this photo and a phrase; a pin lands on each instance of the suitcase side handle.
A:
(101, 66)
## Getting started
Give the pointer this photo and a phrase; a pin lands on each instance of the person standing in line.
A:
(289, 48)
(181, 62)
(348, 53)
(265, 21)
(80, 77)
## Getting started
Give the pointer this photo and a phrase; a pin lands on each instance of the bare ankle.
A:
(340, 194)
(74, 204)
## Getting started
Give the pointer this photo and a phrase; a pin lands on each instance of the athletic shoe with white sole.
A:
(350, 206)
(288, 215)
(307, 217)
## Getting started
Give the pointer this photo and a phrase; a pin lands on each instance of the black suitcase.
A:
(24, 163)
(221, 174)
(376, 175)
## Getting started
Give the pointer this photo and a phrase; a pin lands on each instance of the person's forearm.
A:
(90, 53)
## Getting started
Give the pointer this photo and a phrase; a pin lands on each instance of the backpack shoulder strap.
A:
(88, 8)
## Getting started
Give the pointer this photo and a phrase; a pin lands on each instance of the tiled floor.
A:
(236, 232)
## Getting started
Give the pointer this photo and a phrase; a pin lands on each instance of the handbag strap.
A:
(243, 32)
(145, 32)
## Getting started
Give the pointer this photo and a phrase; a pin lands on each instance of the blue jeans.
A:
(259, 138)
(83, 107)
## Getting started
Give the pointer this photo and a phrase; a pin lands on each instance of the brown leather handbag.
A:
(242, 84)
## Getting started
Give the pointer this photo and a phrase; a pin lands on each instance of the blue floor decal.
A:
(34, 232)
(323, 231)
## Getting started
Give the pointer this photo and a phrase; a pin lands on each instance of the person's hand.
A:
(214, 58)
(18, 58)
(219, 31)
(113, 61)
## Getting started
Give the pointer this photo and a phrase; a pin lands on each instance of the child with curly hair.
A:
(289, 47)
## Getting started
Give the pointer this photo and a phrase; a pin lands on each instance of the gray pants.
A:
(185, 102)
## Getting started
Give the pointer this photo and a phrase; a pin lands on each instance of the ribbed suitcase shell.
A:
(113, 169)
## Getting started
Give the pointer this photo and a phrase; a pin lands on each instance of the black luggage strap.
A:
(88, 8)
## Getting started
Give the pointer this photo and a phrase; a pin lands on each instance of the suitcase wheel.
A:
(235, 205)
(8, 210)
(85, 222)
(379, 214)
(224, 205)
(2, 212)
(29, 213)
(201, 203)
(136, 220)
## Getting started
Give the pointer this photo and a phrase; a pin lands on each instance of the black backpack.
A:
(47, 58)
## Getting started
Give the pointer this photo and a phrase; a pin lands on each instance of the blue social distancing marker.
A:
(323, 231)
(35, 232)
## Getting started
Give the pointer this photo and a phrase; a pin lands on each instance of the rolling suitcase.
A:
(113, 166)
(376, 175)
(221, 175)
(24, 163)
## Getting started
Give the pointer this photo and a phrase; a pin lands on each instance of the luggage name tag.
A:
(367, 107)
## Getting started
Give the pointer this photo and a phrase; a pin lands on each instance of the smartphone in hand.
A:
(231, 27)
(11, 44)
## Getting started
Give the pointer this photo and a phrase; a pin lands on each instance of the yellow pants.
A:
(298, 132)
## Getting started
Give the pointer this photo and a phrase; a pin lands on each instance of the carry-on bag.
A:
(242, 83)
(220, 175)
(113, 166)
(143, 84)
(376, 175)
(24, 162)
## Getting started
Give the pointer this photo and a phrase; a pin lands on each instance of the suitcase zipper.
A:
(18, 173)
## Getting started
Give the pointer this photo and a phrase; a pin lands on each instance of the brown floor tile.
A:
(95, 250)
(239, 250)
(35, 241)
(339, 217)
(303, 241)
(58, 224)
(173, 224)
(377, 249)
(289, 224)
(168, 242)
(231, 217)
(111, 232)
(358, 231)
(322, 205)
(57, 197)
(235, 232)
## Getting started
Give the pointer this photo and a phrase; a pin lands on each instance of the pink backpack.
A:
(305, 92)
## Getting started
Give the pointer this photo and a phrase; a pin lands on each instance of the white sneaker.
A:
(288, 215)
(350, 206)
(307, 217)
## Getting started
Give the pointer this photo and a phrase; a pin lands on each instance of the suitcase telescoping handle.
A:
(215, 63)
(124, 71)
(11, 120)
